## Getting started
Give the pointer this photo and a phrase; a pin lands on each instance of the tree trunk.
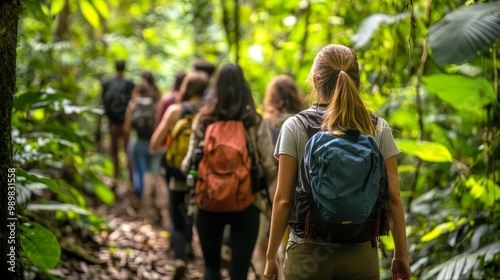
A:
(10, 264)
(237, 31)
(226, 24)
(62, 29)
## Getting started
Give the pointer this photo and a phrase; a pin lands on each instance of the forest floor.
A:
(134, 246)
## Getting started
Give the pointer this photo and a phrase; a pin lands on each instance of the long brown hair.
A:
(147, 87)
(335, 74)
(229, 98)
(282, 96)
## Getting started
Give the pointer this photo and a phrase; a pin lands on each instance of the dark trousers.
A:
(116, 134)
(244, 227)
(182, 233)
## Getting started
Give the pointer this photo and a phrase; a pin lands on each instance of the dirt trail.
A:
(134, 246)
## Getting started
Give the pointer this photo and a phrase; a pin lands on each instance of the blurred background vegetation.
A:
(429, 67)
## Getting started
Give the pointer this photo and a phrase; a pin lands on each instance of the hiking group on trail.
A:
(294, 192)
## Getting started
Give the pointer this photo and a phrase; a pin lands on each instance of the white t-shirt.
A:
(293, 138)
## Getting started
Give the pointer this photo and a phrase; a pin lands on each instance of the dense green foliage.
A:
(445, 116)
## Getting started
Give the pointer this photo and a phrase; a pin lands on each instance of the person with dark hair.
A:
(229, 102)
(116, 93)
(191, 93)
(140, 118)
(338, 109)
(205, 66)
(282, 100)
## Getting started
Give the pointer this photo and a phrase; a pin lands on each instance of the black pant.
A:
(244, 227)
(182, 224)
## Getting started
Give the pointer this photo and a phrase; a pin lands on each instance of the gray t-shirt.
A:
(293, 138)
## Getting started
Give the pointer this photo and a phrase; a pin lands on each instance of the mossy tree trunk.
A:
(10, 265)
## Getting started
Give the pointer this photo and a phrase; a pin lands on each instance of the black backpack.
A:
(143, 117)
(116, 95)
(308, 220)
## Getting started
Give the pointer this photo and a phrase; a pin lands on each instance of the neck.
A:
(321, 102)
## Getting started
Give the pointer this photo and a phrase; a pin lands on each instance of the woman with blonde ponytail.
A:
(338, 108)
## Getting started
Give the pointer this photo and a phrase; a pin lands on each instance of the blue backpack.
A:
(342, 191)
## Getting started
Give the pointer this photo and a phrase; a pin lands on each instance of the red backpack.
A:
(224, 183)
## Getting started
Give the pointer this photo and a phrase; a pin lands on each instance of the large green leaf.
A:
(40, 245)
(441, 229)
(24, 101)
(36, 9)
(428, 151)
(56, 6)
(64, 207)
(462, 266)
(37, 100)
(90, 13)
(52, 184)
(463, 93)
(461, 34)
(102, 7)
(370, 24)
(105, 194)
(483, 189)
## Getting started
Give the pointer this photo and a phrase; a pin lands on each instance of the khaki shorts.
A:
(331, 261)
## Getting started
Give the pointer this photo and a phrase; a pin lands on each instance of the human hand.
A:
(400, 269)
(271, 270)
(155, 150)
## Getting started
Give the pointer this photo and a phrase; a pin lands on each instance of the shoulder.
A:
(131, 104)
(173, 110)
(296, 120)
(106, 81)
(167, 99)
(292, 125)
(129, 81)
(382, 126)
(382, 123)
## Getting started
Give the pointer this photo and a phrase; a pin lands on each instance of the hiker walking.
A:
(116, 93)
(175, 126)
(282, 100)
(232, 135)
(326, 240)
(140, 119)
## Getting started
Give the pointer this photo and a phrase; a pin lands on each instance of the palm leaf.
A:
(462, 266)
(370, 24)
(464, 33)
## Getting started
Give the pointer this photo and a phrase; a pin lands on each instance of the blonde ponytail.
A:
(336, 74)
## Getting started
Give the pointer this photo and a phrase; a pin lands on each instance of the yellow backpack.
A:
(179, 143)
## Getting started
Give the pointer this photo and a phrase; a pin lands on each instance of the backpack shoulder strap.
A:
(311, 120)
(252, 144)
(186, 109)
(374, 119)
